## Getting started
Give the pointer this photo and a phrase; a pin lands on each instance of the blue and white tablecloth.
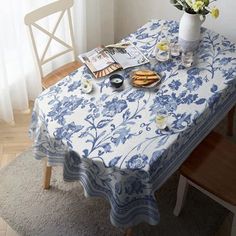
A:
(109, 140)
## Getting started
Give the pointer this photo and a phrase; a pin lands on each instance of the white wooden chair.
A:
(62, 7)
(211, 168)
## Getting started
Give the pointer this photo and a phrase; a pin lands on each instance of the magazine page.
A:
(97, 59)
(127, 55)
(103, 61)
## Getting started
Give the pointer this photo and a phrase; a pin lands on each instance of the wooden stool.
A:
(211, 168)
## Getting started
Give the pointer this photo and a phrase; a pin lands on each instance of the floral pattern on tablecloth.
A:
(109, 139)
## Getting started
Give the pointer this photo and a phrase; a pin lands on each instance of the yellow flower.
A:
(215, 12)
(163, 46)
(198, 5)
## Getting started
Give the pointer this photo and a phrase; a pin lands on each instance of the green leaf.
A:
(204, 12)
(206, 2)
(178, 6)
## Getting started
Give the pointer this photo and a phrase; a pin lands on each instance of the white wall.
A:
(130, 14)
(100, 22)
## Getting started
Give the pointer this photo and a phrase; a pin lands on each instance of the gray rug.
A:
(63, 210)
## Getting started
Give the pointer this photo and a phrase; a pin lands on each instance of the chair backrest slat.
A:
(55, 56)
(71, 31)
(47, 10)
(36, 51)
(53, 36)
(50, 35)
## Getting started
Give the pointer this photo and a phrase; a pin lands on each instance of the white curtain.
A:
(19, 75)
(19, 80)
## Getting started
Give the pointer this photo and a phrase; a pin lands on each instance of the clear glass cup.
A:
(174, 49)
(163, 50)
(187, 59)
(161, 119)
(86, 86)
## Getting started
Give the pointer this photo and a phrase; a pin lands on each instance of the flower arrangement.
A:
(200, 7)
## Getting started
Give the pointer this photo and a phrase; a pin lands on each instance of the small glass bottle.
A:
(187, 59)
(174, 49)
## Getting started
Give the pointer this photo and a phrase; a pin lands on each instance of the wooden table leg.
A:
(47, 175)
(230, 122)
(129, 232)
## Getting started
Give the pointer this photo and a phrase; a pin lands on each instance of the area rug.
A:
(63, 210)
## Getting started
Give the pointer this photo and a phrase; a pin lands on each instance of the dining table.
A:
(109, 140)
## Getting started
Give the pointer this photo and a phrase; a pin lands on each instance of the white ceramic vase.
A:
(189, 31)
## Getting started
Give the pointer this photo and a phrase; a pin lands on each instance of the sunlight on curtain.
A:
(19, 80)
(19, 75)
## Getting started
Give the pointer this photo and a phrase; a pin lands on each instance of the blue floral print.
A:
(74, 86)
(111, 108)
(174, 85)
(193, 83)
(133, 186)
(135, 96)
(67, 130)
(137, 162)
(109, 139)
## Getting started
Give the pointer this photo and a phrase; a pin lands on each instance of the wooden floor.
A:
(14, 140)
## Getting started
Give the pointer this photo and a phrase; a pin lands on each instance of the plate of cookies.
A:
(145, 79)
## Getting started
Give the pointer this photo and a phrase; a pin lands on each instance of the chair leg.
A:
(129, 232)
(47, 176)
(230, 122)
(181, 195)
(233, 229)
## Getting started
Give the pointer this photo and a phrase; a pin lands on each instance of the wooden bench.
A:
(211, 168)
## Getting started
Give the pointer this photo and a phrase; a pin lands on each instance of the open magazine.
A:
(104, 60)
